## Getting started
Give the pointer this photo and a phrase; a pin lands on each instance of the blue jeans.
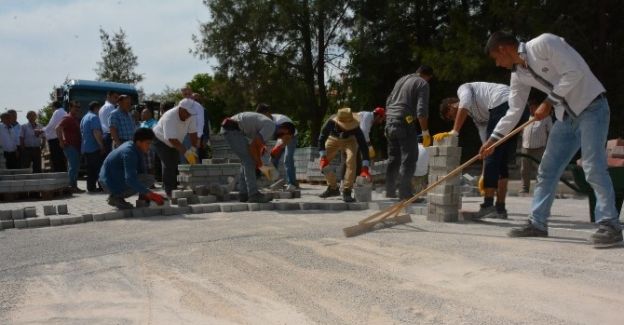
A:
(289, 161)
(589, 133)
(73, 160)
(240, 146)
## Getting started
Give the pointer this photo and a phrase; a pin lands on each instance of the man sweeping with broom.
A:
(551, 65)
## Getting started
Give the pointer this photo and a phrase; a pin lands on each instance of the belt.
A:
(229, 125)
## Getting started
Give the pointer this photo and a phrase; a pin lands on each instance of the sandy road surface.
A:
(297, 268)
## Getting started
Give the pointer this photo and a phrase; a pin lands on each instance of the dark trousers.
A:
(11, 160)
(496, 165)
(108, 142)
(94, 164)
(57, 156)
(169, 158)
(31, 156)
(402, 157)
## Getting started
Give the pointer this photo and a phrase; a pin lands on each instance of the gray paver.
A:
(5, 215)
(20, 223)
(287, 206)
(87, 217)
(182, 202)
(30, 212)
(17, 214)
(62, 209)
(6, 224)
(49, 210)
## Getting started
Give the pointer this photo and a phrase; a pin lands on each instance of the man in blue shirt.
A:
(121, 122)
(92, 145)
(123, 173)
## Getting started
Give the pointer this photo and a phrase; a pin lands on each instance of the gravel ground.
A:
(297, 268)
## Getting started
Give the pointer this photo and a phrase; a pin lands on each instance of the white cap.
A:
(187, 104)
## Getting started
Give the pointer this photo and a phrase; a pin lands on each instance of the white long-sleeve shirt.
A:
(50, 129)
(105, 112)
(7, 141)
(366, 123)
(555, 68)
(199, 118)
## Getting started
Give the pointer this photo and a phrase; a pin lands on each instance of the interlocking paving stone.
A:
(287, 206)
(358, 206)
(20, 223)
(310, 205)
(182, 202)
(205, 199)
(49, 210)
(17, 214)
(234, 207)
(62, 209)
(5, 215)
(65, 220)
(261, 206)
(87, 217)
(6, 224)
(108, 216)
(30, 212)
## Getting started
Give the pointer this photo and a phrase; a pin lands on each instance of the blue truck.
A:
(86, 91)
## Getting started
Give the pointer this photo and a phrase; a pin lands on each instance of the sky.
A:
(44, 41)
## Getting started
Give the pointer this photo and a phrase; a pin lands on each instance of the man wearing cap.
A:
(407, 103)
(486, 103)
(247, 134)
(281, 148)
(170, 131)
(341, 132)
(104, 114)
(123, 174)
(578, 99)
(57, 158)
(31, 138)
(121, 123)
(198, 116)
(92, 145)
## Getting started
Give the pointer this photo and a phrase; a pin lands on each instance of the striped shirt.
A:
(124, 123)
(535, 135)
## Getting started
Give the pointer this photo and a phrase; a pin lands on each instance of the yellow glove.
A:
(371, 152)
(441, 136)
(426, 138)
(191, 156)
(482, 185)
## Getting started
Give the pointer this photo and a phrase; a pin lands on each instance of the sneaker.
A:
(329, 192)
(119, 203)
(528, 230)
(243, 197)
(486, 212)
(606, 236)
(501, 214)
(346, 196)
(259, 198)
(290, 188)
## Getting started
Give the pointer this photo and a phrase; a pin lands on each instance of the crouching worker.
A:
(342, 132)
(247, 133)
(123, 172)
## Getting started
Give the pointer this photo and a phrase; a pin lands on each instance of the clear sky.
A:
(44, 41)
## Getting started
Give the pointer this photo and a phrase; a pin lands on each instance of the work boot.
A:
(501, 214)
(259, 198)
(486, 212)
(329, 192)
(606, 236)
(528, 230)
(119, 203)
(243, 197)
(346, 196)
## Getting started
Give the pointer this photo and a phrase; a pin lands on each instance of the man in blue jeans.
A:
(247, 133)
(549, 64)
(281, 148)
(68, 132)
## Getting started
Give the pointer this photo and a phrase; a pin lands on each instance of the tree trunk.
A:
(320, 72)
(308, 75)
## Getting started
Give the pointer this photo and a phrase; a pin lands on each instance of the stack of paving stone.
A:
(303, 156)
(23, 180)
(444, 201)
(220, 148)
(219, 171)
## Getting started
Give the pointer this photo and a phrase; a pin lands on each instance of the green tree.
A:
(118, 60)
(279, 51)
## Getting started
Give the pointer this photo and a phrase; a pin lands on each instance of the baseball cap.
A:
(187, 104)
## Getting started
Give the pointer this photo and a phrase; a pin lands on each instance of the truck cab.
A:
(86, 91)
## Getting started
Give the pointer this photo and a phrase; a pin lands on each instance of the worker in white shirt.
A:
(367, 120)
(105, 113)
(534, 139)
(578, 98)
(57, 157)
(8, 143)
(198, 116)
(485, 103)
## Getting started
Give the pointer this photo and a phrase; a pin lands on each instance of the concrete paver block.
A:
(152, 212)
(283, 195)
(65, 220)
(87, 217)
(20, 223)
(443, 199)
(49, 210)
(358, 206)
(206, 199)
(138, 212)
(363, 193)
(7, 224)
(296, 194)
(182, 202)
(5, 215)
(234, 207)
(108, 216)
(62, 209)
(334, 206)
(30, 212)
(141, 204)
(310, 205)
(17, 214)
(286, 206)
(261, 206)
(193, 199)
